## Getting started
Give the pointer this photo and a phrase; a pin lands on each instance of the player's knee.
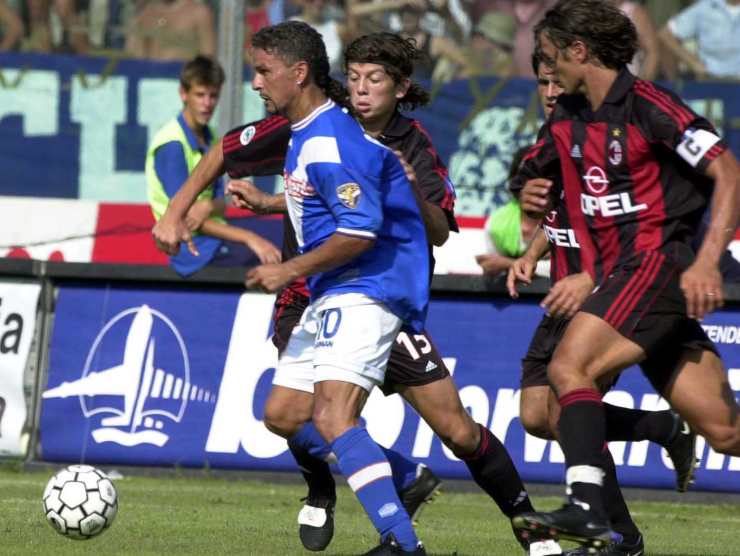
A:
(533, 415)
(331, 422)
(724, 440)
(535, 422)
(462, 437)
(279, 419)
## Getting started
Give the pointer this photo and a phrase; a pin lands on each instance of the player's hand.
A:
(269, 277)
(535, 197)
(521, 270)
(568, 294)
(198, 213)
(493, 263)
(407, 168)
(265, 250)
(702, 286)
(168, 232)
(246, 195)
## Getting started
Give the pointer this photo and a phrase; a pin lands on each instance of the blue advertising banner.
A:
(78, 127)
(179, 377)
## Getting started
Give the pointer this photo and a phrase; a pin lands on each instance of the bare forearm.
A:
(435, 223)
(223, 231)
(675, 47)
(725, 208)
(210, 167)
(538, 247)
(334, 252)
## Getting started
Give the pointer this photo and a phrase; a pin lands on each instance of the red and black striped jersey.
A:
(632, 172)
(258, 149)
(565, 257)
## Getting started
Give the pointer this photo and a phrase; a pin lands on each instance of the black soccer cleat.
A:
(390, 546)
(534, 545)
(682, 451)
(316, 523)
(423, 490)
(612, 549)
(571, 522)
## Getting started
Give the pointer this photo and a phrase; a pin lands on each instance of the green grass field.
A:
(212, 516)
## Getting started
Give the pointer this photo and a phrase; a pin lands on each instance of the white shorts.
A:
(346, 337)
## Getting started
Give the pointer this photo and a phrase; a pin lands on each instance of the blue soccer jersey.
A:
(340, 180)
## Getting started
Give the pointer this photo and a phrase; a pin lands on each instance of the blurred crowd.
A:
(460, 38)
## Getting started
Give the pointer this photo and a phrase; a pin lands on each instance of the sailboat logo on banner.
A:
(137, 400)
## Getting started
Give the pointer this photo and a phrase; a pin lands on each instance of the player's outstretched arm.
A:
(265, 250)
(435, 220)
(171, 229)
(246, 195)
(522, 269)
(702, 282)
(335, 251)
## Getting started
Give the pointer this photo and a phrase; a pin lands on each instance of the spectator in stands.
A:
(713, 25)
(40, 31)
(491, 45)
(645, 62)
(11, 27)
(172, 30)
(334, 33)
(526, 13)
(174, 152)
(508, 230)
(434, 49)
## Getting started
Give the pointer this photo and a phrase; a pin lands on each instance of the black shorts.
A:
(645, 304)
(414, 359)
(546, 338)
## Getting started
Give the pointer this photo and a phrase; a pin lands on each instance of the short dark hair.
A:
(606, 31)
(397, 56)
(296, 41)
(202, 70)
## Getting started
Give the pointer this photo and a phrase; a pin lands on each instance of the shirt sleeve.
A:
(685, 24)
(257, 148)
(171, 167)
(432, 175)
(666, 119)
(540, 161)
(354, 200)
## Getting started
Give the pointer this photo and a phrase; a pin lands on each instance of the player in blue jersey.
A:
(363, 249)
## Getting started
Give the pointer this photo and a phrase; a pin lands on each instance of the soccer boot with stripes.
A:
(390, 547)
(623, 548)
(316, 523)
(422, 490)
(682, 451)
(571, 522)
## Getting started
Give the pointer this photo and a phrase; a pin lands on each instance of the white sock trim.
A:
(584, 474)
(368, 474)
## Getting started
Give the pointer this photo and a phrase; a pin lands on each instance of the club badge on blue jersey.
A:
(349, 194)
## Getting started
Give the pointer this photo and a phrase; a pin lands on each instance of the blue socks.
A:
(403, 469)
(368, 473)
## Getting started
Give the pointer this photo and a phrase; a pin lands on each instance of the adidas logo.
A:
(431, 365)
(575, 152)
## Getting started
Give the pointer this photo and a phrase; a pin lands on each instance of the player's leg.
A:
(590, 349)
(351, 353)
(288, 412)
(701, 393)
(417, 372)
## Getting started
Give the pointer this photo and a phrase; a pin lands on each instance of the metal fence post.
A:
(231, 56)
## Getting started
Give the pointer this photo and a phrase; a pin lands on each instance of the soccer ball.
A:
(80, 502)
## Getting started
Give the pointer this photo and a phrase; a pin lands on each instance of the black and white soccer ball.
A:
(80, 502)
